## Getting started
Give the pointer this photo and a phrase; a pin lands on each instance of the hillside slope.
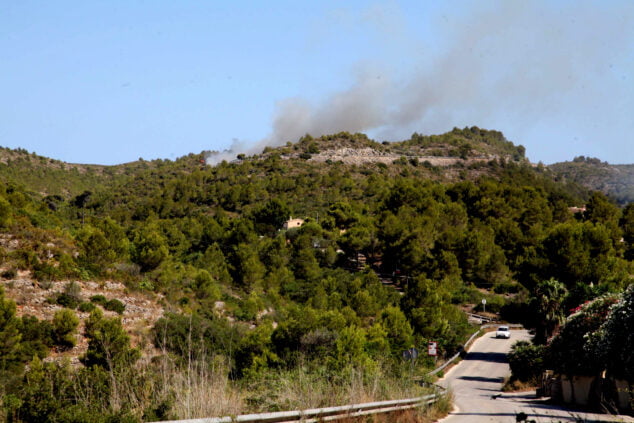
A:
(257, 306)
(617, 181)
(45, 176)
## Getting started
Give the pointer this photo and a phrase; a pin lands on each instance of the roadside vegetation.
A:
(262, 318)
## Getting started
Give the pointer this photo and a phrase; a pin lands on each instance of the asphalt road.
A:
(476, 382)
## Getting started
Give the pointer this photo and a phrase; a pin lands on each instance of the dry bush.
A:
(439, 409)
(196, 390)
(200, 389)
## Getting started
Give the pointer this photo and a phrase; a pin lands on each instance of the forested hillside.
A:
(259, 317)
(617, 181)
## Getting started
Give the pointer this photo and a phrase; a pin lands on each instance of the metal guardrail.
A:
(322, 414)
(481, 318)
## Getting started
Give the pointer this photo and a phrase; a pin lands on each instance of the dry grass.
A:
(200, 389)
(408, 416)
(439, 409)
(203, 389)
(512, 385)
(428, 414)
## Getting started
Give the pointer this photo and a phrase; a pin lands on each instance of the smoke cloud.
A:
(509, 66)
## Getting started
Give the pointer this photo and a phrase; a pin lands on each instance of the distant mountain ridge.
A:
(616, 181)
(50, 177)
(451, 152)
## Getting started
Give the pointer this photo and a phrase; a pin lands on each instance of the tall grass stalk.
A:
(202, 389)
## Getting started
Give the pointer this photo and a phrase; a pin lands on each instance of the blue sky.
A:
(109, 82)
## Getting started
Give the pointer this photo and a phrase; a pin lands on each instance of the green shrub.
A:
(45, 272)
(36, 337)
(108, 343)
(65, 323)
(600, 335)
(67, 301)
(526, 361)
(150, 247)
(195, 336)
(86, 307)
(114, 305)
(10, 273)
(98, 299)
(313, 148)
(494, 304)
(25, 259)
(506, 288)
(71, 296)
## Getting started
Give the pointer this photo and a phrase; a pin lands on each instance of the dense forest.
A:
(260, 317)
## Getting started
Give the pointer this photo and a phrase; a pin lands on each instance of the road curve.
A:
(476, 382)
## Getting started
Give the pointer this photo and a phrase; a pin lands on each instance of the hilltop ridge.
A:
(466, 144)
(455, 150)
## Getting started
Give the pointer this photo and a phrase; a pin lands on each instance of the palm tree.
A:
(548, 299)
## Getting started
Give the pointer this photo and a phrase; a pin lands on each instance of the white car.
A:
(503, 332)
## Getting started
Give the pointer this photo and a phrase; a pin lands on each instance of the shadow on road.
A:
(485, 414)
(483, 379)
(498, 417)
(494, 357)
(546, 412)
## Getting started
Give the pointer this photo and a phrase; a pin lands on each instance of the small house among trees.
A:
(293, 223)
